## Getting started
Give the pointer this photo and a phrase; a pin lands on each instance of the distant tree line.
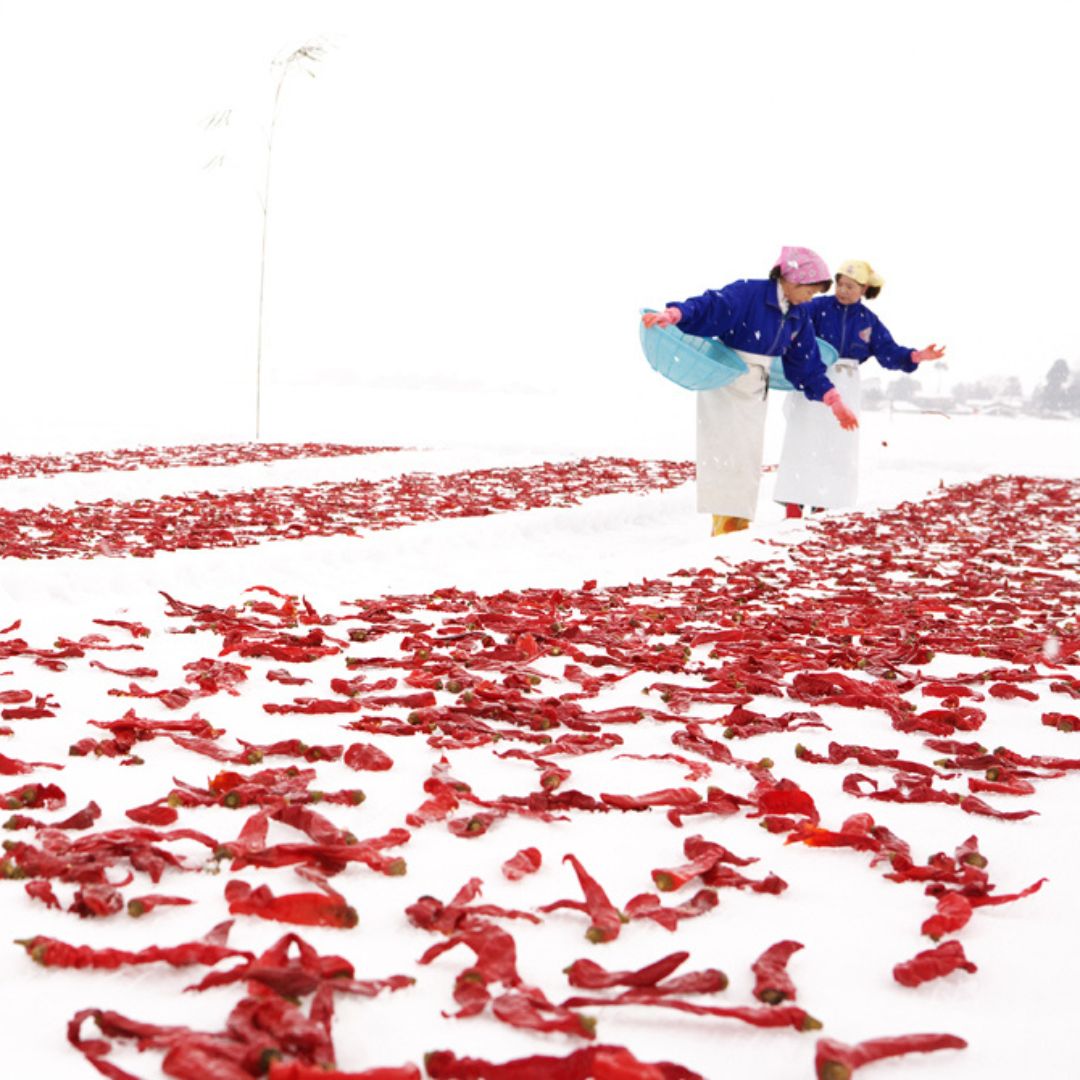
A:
(1056, 395)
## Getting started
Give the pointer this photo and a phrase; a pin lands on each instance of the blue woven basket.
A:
(697, 363)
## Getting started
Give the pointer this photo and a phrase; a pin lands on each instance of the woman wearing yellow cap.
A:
(819, 464)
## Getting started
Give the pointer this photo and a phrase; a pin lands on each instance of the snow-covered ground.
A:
(1014, 1012)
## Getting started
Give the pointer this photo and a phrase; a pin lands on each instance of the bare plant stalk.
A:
(312, 54)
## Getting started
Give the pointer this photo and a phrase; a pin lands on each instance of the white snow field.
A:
(1014, 1012)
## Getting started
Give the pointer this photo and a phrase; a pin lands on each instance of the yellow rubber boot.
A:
(725, 523)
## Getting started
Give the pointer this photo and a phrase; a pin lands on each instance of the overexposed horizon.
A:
(483, 195)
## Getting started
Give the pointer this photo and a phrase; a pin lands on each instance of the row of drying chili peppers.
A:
(143, 527)
(173, 457)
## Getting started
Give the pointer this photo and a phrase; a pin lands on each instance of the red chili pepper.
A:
(933, 964)
(953, 913)
(1013, 786)
(763, 1017)
(441, 805)
(648, 906)
(782, 797)
(470, 993)
(277, 970)
(280, 675)
(599, 1062)
(717, 801)
(81, 819)
(1061, 721)
(906, 789)
(367, 757)
(1067, 684)
(42, 890)
(495, 950)
(694, 738)
(606, 919)
(312, 707)
(674, 878)
(944, 690)
(329, 857)
(128, 673)
(473, 826)
(745, 724)
(35, 797)
(137, 630)
(15, 767)
(157, 813)
(138, 906)
(300, 909)
(835, 1061)
(971, 804)
(96, 900)
(987, 900)
(680, 797)
(530, 1009)
(968, 853)
(650, 980)
(589, 975)
(52, 953)
(864, 755)
(295, 1070)
(526, 861)
(772, 983)
(1008, 691)
(430, 914)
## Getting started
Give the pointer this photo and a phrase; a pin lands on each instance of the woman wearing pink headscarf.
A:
(760, 320)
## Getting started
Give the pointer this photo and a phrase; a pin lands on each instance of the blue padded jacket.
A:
(856, 333)
(746, 315)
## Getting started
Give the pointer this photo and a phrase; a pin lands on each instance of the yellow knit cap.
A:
(862, 272)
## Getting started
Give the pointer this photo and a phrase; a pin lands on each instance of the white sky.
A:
(484, 193)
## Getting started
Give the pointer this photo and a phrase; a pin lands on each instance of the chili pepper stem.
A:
(834, 1070)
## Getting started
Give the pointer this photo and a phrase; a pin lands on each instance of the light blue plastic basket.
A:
(777, 379)
(697, 363)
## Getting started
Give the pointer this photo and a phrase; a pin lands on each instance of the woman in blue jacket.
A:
(759, 320)
(818, 468)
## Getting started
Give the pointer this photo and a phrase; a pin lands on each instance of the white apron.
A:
(819, 463)
(731, 441)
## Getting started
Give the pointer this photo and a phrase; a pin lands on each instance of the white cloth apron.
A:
(731, 440)
(819, 463)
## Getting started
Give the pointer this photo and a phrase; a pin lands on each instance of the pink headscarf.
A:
(802, 266)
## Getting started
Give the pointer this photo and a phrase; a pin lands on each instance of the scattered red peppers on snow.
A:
(474, 675)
